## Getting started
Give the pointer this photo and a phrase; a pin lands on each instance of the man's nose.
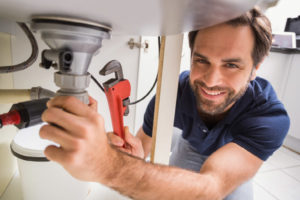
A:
(212, 76)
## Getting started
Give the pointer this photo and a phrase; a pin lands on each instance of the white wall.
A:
(148, 63)
(7, 161)
(275, 69)
(283, 10)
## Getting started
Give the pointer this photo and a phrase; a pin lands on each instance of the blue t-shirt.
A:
(258, 121)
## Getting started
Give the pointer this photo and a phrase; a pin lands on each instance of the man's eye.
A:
(231, 65)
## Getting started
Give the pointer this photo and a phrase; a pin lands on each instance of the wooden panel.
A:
(166, 98)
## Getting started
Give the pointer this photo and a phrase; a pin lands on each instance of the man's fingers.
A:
(57, 135)
(55, 153)
(70, 104)
(130, 139)
(59, 117)
(115, 140)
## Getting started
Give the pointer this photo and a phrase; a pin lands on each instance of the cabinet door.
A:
(291, 96)
(275, 69)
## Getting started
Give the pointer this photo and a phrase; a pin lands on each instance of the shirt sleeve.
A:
(262, 135)
(148, 117)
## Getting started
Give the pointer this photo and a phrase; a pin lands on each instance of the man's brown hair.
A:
(261, 28)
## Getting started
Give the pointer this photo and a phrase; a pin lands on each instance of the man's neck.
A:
(211, 120)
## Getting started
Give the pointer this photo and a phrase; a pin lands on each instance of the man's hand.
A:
(131, 145)
(79, 130)
(93, 103)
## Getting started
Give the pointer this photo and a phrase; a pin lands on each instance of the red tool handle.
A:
(10, 118)
(115, 96)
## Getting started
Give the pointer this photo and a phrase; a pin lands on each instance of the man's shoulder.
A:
(183, 83)
(263, 124)
(260, 99)
(262, 92)
(184, 77)
(262, 107)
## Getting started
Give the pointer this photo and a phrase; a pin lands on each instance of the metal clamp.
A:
(139, 45)
(59, 59)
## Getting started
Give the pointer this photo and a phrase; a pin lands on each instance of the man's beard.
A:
(209, 107)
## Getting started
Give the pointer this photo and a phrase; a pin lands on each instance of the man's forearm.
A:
(140, 180)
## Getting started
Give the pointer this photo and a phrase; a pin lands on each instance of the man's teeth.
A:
(213, 93)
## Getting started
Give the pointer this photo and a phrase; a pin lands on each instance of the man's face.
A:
(222, 67)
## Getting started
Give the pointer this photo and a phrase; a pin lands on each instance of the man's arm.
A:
(85, 153)
(222, 172)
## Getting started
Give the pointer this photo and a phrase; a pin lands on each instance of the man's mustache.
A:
(203, 85)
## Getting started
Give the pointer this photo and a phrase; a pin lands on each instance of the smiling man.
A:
(230, 121)
(222, 66)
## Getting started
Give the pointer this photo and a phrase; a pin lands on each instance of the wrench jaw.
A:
(113, 66)
(117, 91)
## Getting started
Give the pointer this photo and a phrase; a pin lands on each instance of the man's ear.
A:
(253, 75)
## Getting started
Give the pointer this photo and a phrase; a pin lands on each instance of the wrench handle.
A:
(115, 96)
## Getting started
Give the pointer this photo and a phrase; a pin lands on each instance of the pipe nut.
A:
(82, 96)
(72, 82)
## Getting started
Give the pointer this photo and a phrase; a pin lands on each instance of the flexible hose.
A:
(30, 60)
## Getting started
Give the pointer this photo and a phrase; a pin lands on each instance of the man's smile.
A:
(211, 94)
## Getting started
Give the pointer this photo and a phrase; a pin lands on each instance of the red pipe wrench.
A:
(117, 91)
